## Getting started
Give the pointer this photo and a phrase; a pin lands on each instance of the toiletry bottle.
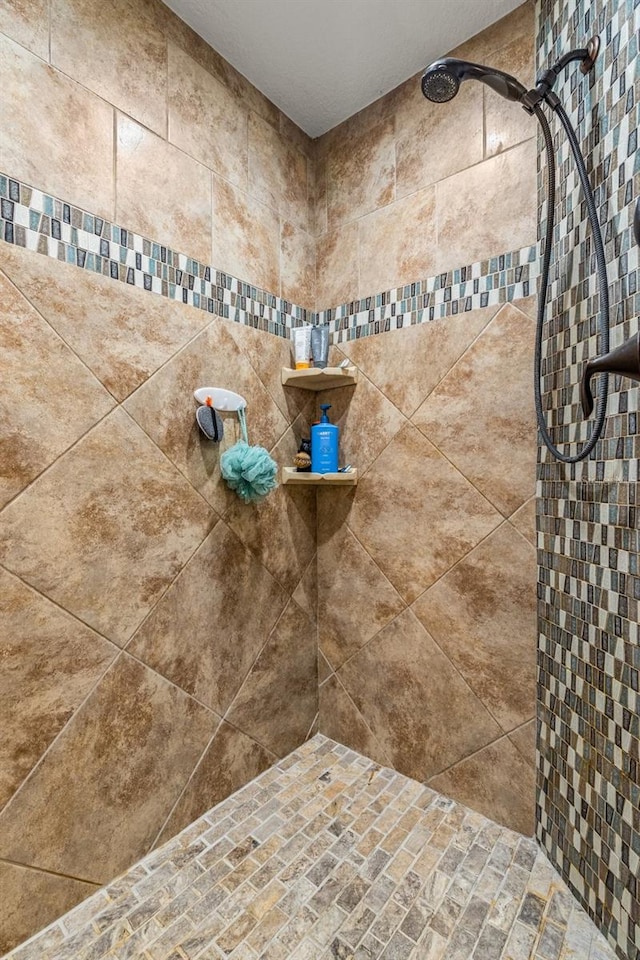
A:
(324, 444)
(320, 344)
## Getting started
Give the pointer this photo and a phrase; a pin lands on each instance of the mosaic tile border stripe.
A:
(500, 279)
(47, 225)
(54, 228)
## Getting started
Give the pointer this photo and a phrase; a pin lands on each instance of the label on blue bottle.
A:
(324, 448)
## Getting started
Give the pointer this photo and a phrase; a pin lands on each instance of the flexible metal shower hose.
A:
(603, 289)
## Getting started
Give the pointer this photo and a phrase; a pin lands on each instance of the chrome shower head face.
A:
(439, 84)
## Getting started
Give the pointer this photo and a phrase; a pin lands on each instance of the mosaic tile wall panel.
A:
(589, 582)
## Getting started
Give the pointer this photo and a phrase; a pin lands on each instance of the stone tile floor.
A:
(327, 855)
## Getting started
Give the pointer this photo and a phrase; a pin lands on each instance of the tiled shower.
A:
(368, 653)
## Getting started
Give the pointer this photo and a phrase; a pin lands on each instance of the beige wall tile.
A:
(341, 720)
(324, 672)
(50, 662)
(481, 416)
(205, 119)
(292, 512)
(437, 515)
(482, 48)
(267, 354)
(397, 244)
(116, 520)
(116, 772)
(418, 707)
(355, 599)
(318, 195)
(487, 209)
(122, 333)
(506, 123)
(435, 140)
(297, 265)
(367, 421)
(497, 782)
(178, 32)
(295, 135)
(407, 364)
(337, 266)
(32, 899)
(117, 50)
(210, 596)
(524, 740)
(161, 192)
(69, 150)
(306, 592)
(482, 614)
(279, 698)
(361, 173)
(246, 237)
(27, 22)
(524, 520)
(211, 359)
(44, 382)
(277, 172)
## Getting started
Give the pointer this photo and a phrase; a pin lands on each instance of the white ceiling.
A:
(321, 61)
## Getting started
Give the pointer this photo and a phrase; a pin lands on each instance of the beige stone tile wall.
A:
(140, 121)
(407, 188)
(157, 639)
(154, 658)
(427, 569)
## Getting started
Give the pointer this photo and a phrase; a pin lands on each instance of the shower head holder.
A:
(546, 79)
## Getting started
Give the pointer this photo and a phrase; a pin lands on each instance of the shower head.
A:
(441, 81)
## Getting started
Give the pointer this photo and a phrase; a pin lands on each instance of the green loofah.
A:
(249, 471)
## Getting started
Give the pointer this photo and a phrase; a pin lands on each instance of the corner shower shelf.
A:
(325, 378)
(291, 475)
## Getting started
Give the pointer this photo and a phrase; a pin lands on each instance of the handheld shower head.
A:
(440, 84)
(441, 81)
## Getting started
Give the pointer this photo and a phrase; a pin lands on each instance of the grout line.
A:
(409, 416)
(199, 763)
(310, 734)
(149, 613)
(471, 166)
(53, 873)
(55, 603)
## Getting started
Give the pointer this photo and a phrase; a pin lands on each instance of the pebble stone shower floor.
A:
(328, 855)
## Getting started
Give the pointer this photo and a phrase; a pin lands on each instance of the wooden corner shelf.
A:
(319, 378)
(291, 475)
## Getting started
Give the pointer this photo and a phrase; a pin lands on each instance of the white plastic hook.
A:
(221, 399)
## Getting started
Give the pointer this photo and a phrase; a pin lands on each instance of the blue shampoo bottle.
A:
(324, 444)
